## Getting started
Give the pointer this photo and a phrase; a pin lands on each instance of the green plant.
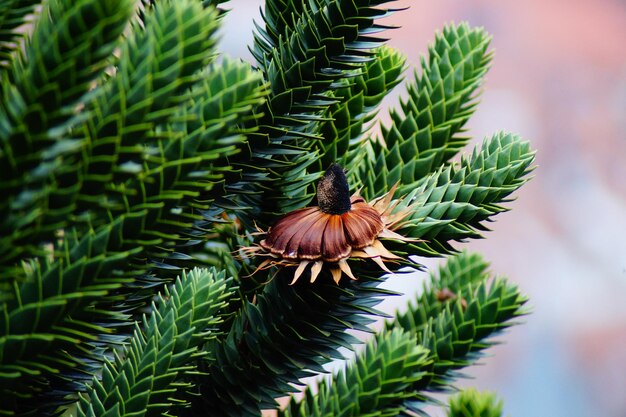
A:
(137, 160)
(471, 403)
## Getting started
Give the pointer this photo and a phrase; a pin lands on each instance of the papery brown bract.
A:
(340, 227)
(309, 236)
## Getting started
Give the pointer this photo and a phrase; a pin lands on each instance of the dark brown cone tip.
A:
(333, 192)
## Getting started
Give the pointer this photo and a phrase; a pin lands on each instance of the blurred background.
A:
(559, 79)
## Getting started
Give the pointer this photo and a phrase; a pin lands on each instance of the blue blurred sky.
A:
(559, 79)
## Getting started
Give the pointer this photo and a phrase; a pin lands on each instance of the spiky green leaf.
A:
(145, 380)
(454, 202)
(358, 99)
(457, 326)
(472, 403)
(14, 16)
(287, 332)
(375, 384)
(39, 97)
(429, 129)
(303, 61)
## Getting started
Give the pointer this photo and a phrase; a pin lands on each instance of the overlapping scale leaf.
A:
(156, 68)
(457, 337)
(326, 42)
(444, 95)
(472, 403)
(350, 117)
(209, 131)
(96, 262)
(350, 20)
(177, 187)
(429, 129)
(159, 157)
(459, 329)
(189, 180)
(13, 16)
(376, 383)
(214, 120)
(452, 322)
(449, 284)
(454, 202)
(189, 156)
(40, 92)
(48, 322)
(287, 332)
(281, 17)
(144, 6)
(145, 380)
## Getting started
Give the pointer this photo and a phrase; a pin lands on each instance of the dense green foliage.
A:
(470, 403)
(136, 159)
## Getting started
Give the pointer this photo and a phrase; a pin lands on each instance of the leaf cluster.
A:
(420, 351)
(136, 160)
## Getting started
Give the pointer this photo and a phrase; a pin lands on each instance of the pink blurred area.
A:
(559, 80)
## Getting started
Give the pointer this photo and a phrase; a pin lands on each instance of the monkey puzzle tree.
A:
(156, 255)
